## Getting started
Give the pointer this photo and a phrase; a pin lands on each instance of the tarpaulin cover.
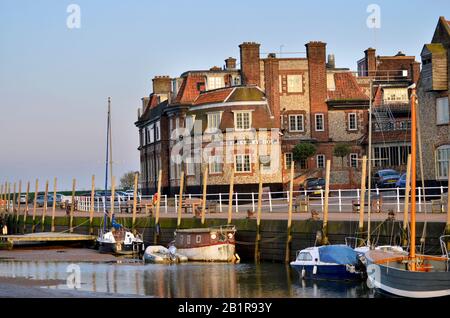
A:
(339, 254)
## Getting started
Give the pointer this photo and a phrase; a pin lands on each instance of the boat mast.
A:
(105, 219)
(369, 172)
(412, 249)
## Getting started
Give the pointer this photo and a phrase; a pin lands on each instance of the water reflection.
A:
(205, 280)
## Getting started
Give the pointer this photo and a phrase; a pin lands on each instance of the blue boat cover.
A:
(339, 254)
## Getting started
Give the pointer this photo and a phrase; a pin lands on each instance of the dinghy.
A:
(158, 254)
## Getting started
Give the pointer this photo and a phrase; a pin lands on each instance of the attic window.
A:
(201, 86)
(426, 61)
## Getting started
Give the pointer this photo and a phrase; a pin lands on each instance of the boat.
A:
(212, 244)
(410, 274)
(329, 262)
(159, 254)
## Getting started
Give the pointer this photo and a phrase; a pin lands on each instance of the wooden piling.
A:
(8, 198)
(258, 216)
(92, 205)
(1, 198)
(158, 207)
(447, 227)
(133, 224)
(230, 196)
(25, 213)
(72, 206)
(205, 185)
(44, 212)
(362, 200)
(406, 203)
(54, 205)
(113, 192)
(36, 192)
(289, 222)
(18, 206)
(325, 209)
(180, 201)
(14, 201)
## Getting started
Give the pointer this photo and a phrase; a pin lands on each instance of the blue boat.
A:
(329, 262)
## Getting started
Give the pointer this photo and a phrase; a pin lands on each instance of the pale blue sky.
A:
(54, 81)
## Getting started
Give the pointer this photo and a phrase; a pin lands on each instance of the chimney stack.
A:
(162, 85)
(272, 86)
(415, 72)
(331, 61)
(250, 69)
(371, 61)
(230, 63)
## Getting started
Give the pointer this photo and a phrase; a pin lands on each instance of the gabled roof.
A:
(215, 96)
(346, 88)
(433, 48)
(230, 94)
(152, 113)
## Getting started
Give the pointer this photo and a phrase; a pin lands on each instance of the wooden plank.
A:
(35, 205)
(205, 186)
(230, 197)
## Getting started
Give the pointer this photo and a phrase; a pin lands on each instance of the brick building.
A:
(433, 98)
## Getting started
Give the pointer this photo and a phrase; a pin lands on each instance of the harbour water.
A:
(204, 280)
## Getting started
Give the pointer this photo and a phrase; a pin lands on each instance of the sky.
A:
(55, 78)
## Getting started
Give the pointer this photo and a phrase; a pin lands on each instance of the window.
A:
(190, 168)
(147, 136)
(320, 161)
(294, 84)
(158, 131)
(388, 156)
(352, 121)
(442, 156)
(242, 120)
(189, 122)
(188, 240)
(354, 160)
(152, 134)
(319, 122)
(214, 120)
(442, 111)
(198, 239)
(215, 82)
(237, 81)
(243, 163)
(288, 158)
(304, 256)
(295, 122)
(215, 164)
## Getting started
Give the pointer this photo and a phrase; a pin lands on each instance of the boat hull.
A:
(210, 253)
(327, 272)
(118, 248)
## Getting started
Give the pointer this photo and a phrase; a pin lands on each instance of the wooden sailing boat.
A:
(410, 274)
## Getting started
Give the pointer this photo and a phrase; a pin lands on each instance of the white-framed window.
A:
(214, 120)
(243, 163)
(242, 120)
(442, 155)
(296, 123)
(215, 164)
(198, 239)
(319, 122)
(352, 121)
(320, 161)
(442, 111)
(237, 81)
(190, 168)
(294, 84)
(158, 131)
(188, 240)
(354, 160)
(152, 133)
(215, 82)
(288, 158)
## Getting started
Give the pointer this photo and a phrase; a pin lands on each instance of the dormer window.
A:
(215, 82)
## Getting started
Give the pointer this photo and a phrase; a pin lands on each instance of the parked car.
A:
(40, 200)
(385, 178)
(23, 199)
(401, 183)
(315, 186)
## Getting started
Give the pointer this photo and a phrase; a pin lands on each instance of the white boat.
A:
(161, 255)
(120, 241)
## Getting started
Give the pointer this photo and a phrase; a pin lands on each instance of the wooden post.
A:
(325, 209)
(1, 198)
(158, 206)
(289, 223)
(14, 201)
(362, 203)
(447, 227)
(406, 205)
(180, 202)
(113, 192)
(18, 205)
(54, 205)
(230, 196)
(205, 185)
(92, 206)
(258, 217)
(25, 213)
(36, 191)
(72, 206)
(136, 175)
(44, 212)
(9, 197)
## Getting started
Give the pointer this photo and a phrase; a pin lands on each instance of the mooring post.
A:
(54, 205)
(36, 193)
(9, 198)
(92, 205)
(1, 198)
(44, 212)
(158, 206)
(406, 204)
(72, 206)
(325, 210)
(447, 227)
(133, 224)
(258, 216)
(16, 227)
(289, 222)
(180, 200)
(14, 201)
(205, 185)
(25, 213)
(113, 192)
(230, 196)
(362, 200)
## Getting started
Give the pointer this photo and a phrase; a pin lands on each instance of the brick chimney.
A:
(371, 61)
(250, 63)
(415, 72)
(272, 87)
(162, 85)
(316, 52)
(230, 63)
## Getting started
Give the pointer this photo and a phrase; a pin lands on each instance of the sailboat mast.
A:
(412, 250)
(105, 219)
